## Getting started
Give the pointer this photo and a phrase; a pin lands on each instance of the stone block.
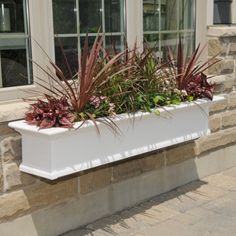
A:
(11, 149)
(225, 66)
(12, 204)
(5, 130)
(126, 169)
(180, 153)
(47, 193)
(215, 140)
(95, 179)
(215, 47)
(153, 162)
(232, 49)
(11, 176)
(215, 122)
(229, 119)
(218, 106)
(232, 100)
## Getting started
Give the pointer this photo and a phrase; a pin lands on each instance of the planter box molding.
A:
(56, 152)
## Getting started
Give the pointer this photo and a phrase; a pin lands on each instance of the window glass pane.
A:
(114, 43)
(66, 50)
(151, 12)
(188, 39)
(168, 41)
(169, 15)
(64, 16)
(14, 68)
(152, 40)
(90, 15)
(90, 41)
(112, 16)
(187, 14)
(12, 43)
(15, 50)
(12, 16)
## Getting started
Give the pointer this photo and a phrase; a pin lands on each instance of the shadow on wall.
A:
(106, 224)
(83, 208)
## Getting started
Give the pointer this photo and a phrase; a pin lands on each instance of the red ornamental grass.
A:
(190, 74)
(51, 113)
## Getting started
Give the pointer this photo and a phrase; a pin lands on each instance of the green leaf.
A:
(157, 112)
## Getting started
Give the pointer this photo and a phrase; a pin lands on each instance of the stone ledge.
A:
(14, 110)
(222, 31)
(215, 141)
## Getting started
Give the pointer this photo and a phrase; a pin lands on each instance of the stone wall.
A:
(22, 194)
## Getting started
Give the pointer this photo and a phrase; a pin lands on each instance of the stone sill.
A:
(222, 31)
(13, 110)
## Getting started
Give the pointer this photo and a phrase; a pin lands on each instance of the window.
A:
(64, 23)
(15, 68)
(73, 19)
(164, 21)
(222, 11)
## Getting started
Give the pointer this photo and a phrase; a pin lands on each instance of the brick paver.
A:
(202, 208)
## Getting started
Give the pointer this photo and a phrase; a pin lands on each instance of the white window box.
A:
(56, 152)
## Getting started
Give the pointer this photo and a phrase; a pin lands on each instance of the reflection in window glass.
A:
(169, 14)
(86, 16)
(167, 21)
(113, 44)
(12, 16)
(186, 9)
(66, 52)
(151, 15)
(64, 12)
(112, 15)
(90, 15)
(15, 68)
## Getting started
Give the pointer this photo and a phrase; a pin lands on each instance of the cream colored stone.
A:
(5, 130)
(215, 47)
(51, 192)
(221, 31)
(153, 162)
(229, 119)
(12, 204)
(218, 106)
(10, 148)
(180, 153)
(11, 176)
(232, 100)
(215, 122)
(215, 140)
(225, 66)
(95, 179)
(126, 169)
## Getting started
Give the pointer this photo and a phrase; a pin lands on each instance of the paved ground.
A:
(201, 208)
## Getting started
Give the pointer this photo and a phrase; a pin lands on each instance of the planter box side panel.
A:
(84, 149)
(36, 152)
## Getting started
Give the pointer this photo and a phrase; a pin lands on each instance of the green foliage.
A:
(124, 82)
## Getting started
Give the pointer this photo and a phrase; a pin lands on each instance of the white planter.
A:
(55, 152)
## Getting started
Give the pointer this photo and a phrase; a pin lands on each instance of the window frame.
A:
(41, 31)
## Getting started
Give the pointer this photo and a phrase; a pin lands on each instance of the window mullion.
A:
(78, 33)
(160, 28)
(103, 23)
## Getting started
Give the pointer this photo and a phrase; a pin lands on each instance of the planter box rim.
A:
(22, 124)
